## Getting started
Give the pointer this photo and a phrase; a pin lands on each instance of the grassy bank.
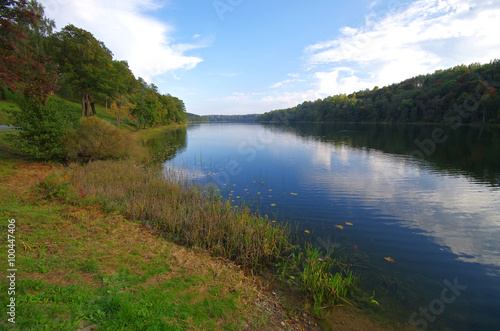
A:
(152, 254)
(81, 265)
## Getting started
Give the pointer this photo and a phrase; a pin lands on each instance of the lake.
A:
(417, 208)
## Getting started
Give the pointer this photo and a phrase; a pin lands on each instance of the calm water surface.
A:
(422, 220)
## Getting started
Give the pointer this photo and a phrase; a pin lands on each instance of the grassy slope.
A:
(5, 119)
(79, 266)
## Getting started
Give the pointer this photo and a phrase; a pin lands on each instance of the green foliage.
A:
(469, 92)
(41, 126)
(95, 139)
(230, 118)
(319, 274)
(84, 61)
(196, 118)
(57, 185)
(151, 108)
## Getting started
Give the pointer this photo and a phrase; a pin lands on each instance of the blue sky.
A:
(253, 56)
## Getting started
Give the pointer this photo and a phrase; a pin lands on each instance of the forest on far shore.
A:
(459, 95)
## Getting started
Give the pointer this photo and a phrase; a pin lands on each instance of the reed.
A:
(188, 215)
(319, 274)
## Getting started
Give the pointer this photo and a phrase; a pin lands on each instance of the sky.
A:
(233, 57)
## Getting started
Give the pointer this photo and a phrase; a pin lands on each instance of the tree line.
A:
(462, 94)
(41, 68)
(222, 118)
(73, 64)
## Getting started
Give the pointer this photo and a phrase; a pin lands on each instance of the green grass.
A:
(74, 271)
(5, 106)
(322, 275)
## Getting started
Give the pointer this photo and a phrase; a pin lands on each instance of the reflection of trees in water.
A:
(473, 151)
(168, 144)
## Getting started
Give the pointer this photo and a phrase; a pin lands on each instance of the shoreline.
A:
(344, 315)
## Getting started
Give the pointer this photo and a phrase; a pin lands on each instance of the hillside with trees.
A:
(462, 94)
(232, 118)
(40, 69)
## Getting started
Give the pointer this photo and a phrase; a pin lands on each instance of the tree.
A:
(84, 61)
(38, 33)
(21, 70)
(121, 85)
(120, 106)
(40, 127)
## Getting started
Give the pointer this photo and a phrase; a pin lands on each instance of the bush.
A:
(95, 139)
(57, 185)
(41, 126)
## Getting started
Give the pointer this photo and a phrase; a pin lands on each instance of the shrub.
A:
(41, 126)
(57, 185)
(96, 139)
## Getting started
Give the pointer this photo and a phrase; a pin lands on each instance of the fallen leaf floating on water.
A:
(293, 194)
(349, 223)
(390, 259)
(273, 205)
(340, 227)
(307, 231)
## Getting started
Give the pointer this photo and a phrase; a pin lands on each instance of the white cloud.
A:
(419, 38)
(407, 40)
(286, 81)
(126, 29)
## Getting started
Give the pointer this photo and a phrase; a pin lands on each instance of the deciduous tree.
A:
(21, 69)
(84, 61)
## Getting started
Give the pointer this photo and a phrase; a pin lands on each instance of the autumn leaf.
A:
(348, 223)
(340, 227)
(390, 259)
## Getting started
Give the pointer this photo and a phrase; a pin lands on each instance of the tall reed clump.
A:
(319, 274)
(189, 216)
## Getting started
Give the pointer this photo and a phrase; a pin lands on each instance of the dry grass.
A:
(188, 216)
(63, 246)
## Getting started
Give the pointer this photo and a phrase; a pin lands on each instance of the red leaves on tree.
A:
(20, 68)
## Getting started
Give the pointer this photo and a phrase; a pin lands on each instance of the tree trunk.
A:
(87, 106)
(93, 108)
(84, 97)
